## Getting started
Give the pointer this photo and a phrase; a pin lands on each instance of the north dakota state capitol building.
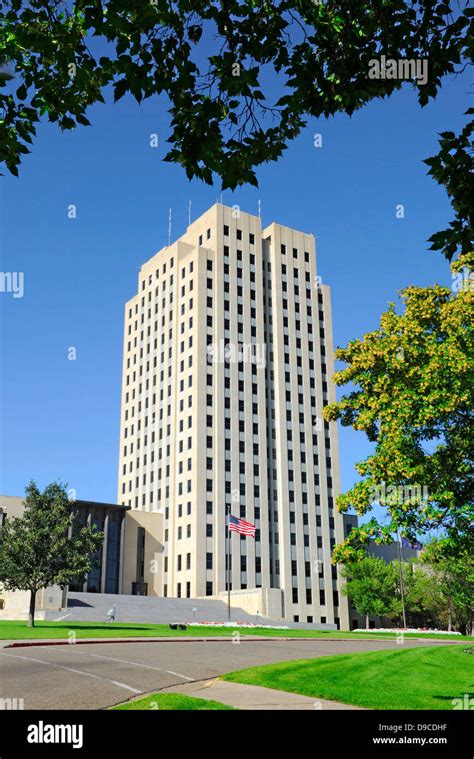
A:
(227, 366)
(228, 360)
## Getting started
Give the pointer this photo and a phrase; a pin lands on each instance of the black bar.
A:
(363, 732)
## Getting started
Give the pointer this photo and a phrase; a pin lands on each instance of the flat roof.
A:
(81, 501)
(78, 501)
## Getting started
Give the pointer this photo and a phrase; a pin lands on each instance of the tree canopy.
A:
(46, 545)
(241, 78)
(413, 398)
(453, 167)
(438, 590)
(371, 585)
(452, 577)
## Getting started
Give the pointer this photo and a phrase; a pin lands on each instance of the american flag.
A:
(415, 544)
(241, 526)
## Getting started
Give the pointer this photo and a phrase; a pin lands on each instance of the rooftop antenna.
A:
(169, 228)
(259, 209)
(189, 213)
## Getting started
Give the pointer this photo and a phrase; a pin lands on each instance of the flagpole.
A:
(228, 561)
(402, 587)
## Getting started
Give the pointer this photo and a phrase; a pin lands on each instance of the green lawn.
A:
(172, 702)
(18, 630)
(416, 678)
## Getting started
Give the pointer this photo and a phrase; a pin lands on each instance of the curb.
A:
(170, 639)
(78, 642)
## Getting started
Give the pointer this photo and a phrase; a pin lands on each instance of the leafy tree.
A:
(453, 168)
(371, 585)
(45, 546)
(241, 78)
(413, 398)
(438, 591)
(422, 596)
(455, 579)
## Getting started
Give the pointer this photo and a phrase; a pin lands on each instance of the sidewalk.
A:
(252, 697)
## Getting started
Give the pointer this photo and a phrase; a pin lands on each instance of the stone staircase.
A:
(93, 607)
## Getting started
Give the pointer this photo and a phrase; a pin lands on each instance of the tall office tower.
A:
(228, 359)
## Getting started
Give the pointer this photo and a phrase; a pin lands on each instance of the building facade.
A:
(108, 518)
(227, 364)
(111, 572)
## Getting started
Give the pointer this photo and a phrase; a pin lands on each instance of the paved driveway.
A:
(95, 676)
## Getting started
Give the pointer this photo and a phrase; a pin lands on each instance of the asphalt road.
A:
(95, 676)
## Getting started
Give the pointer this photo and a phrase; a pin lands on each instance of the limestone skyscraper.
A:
(228, 360)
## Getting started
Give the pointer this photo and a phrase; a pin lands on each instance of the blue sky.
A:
(60, 418)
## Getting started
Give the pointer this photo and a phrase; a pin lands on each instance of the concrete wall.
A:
(16, 603)
(268, 602)
(11, 505)
(152, 522)
(390, 552)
